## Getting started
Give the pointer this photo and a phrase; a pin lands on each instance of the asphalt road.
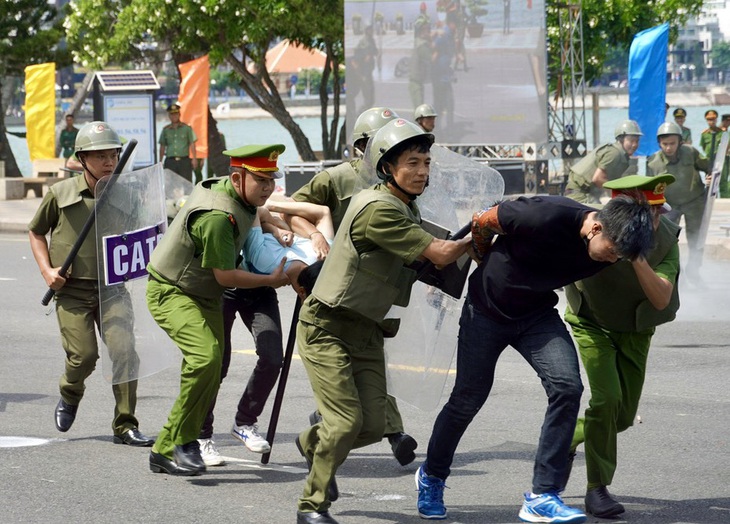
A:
(674, 466)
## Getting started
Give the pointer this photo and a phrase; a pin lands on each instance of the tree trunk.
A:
(6, 154)
(263, 92)
(217, 162)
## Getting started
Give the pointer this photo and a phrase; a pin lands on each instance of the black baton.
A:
(278, 400)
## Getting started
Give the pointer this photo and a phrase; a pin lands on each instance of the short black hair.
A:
(308, 276)
(629, 224)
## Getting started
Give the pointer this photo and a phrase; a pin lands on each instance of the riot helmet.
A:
(370, 120)
(424, 110)
(390, 135)
(669, 128)
(96, 136)
(627, 127)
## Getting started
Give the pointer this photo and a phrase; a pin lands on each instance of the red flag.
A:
(193, 99)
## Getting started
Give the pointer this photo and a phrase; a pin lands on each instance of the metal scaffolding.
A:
(566, 111)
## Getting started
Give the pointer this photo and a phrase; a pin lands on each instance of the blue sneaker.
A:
(430, 496)
(549, 507)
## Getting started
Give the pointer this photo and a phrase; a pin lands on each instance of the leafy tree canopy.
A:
(231, 31)
(609, 24)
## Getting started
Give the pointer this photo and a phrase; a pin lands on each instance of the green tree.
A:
(720, 55)
(29, 34)
(612, 24)
(237, 33)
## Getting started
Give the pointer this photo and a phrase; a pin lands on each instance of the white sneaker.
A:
(249, 435)
(210, 453)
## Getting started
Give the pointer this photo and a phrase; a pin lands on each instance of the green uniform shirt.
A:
(710, 141)
(68, 141)
(686, 167)
(609, 157)
(686, 135)
(213, 236)
(64, 221)
(419, 67)
(334, 188)
(372, 229)
(177, 140)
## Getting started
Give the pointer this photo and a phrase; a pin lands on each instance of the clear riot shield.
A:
(129, 224)
(177, 190)
(419, 357)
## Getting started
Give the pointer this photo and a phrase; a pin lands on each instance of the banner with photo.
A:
(481, 65)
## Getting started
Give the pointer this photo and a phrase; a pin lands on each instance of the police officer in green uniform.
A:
(177, 143)
(419, 65)
(67, 137)
(335, 188)
(607, 162)
(341, 324)
(425, 116)
(687, 194)
(710, 137)
(195, 261)
(680, 115)
(63, 213)
(614, 315)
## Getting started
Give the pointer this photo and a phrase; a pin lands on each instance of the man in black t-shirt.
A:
(543, 243)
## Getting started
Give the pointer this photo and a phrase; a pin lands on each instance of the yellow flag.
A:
(40, 110)
(193, 99)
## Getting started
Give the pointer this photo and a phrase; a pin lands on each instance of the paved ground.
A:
(674, 468)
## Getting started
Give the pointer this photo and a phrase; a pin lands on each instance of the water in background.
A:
(268, 130)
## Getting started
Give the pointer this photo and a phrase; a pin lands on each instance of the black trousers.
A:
(259, 310)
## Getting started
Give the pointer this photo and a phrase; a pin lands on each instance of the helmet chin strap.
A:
(411, 196)
(86, 168)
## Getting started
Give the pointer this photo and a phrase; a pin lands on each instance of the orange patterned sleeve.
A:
(484, 225)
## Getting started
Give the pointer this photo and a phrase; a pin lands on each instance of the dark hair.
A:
(629, 224)
(308, 276)
(421, 143)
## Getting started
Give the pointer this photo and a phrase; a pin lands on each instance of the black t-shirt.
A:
(541, 250)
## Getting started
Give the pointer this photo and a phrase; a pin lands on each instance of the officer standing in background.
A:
(335, 188)
(193, 264)
(63, 213)
(177, 145)
(613, 316)
(425, 116)
(710, 137)
(342, 323)
(680, 115)
(67, 137)
(687, 194)
(607, 162)
(419, 66)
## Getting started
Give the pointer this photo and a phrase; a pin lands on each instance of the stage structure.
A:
(483, 67)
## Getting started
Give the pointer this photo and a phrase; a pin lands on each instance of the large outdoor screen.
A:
(481, 64)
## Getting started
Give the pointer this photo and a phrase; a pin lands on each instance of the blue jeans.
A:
(543, 341)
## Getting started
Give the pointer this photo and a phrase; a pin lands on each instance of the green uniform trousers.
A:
(693, 212)
(78, 314)
(196, 327)
(350, 390)
(615, 364)
(393, 420)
